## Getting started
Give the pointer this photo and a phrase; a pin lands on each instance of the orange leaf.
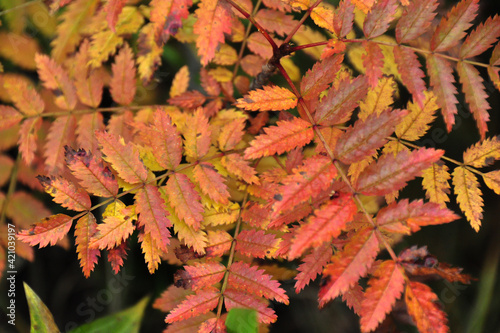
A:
(378, 18)
(435, 182)
(197, 239)
(286, 136)
(451, 29)
(112, 232)
(151, 250)
(122, 85)
(231, 134)
(181, 79)
(423, 309)
(385, 287)
(211, 182)
(391, 173)
(61, 133)
(250, 279)
(171, 298)
(9, 117)
(88, 83)
(113, 8)
(315, 175)
(235, 298)
(256, 244)
(415, 20)
(417, 122)
(213, 21)
(348, 265)
(25, 98)
(167, 16)
(268, 99)
(84, 229)
(275, 21)
(27, 138)
(327, 223)
(469, 195)
(116, 256)
(194, 305)
(165, 141)
(199, 275)
(49, 230)
(184, 199)
(96, 178)
(197, 135)
(365, 137)
(124, 158)
(153, 215)
(218, 243)
(236, 165)
(323, 17)
(492, 180)
(312, 265)
(66, 193)
(55, 77)
(483, 153)
(475, 95)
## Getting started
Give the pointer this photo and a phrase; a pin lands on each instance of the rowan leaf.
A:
(318, 78)
(411, 73)
(417, 122)
(373, 61)
(152, 251)
(167, 17)
(483, 153)
(9, 117)
(231, 134)
(250, 279)
(323, 15)
(238, 166)
(475, 95)
(469, 195)
(423, 308)
(85, 228)
(184, 199)
(276, 21)
(435, 182)
(416, 19)
(197, 135)
(235, 298)
(199, 275)
(441, 79)
(165, 141)
(451, 29)
(482, 38)
(54, 77)
(28, 135)
(218, 243)
(286, 136)
(48, 231)
(113, 231)
(312, 265)
(96, 178)
(348, 265)
(364, 5)
(378, 18)
(24, 96)
(378, 98)
(339, 103)
(113, 8)
(213, 21)
(122, 85)
(327, 223)
(171, 298)
(222, 216)
(194, 305)
(385, 287)
(153, 215)
(391, 173)
(313, 176)
(197, 239)
(343, 18)
(86, 127)
(365, 137)
(149, 53)
(181, 79)
(211, 182)
(256, 244)
(124, 158)
(492, 180)
(66, 193)
(61, 133)
(273, 98)
(116, 256)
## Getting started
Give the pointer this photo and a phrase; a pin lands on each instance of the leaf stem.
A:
(301, 22)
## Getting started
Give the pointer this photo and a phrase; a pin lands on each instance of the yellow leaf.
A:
(468, 194)
(226, 55)
(322, 15)
(435, 182)
(483, 153)
(20, 49)
(378, 98)
(492, 180)
(416, 123)
(180, 82)
(221, 74)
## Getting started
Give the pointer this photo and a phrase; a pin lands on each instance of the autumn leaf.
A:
(66, 193)
(417, 122)
(199, 275)
(343, 18)
(48, 231)
(235, 298)
(469, 195)
(184, 199)
(416, 19)
(435, 182)
(199, 303)
(378, 18)
(112, 232)
(268, 99)
(122, 85)
(482, 38)
(256, 243)
(312, 265)
(411, 73)
(211, 182)
(483, 153)
(85, 228)
(25, 98)
(423, 309)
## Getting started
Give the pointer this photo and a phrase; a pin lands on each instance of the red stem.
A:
(297, 27)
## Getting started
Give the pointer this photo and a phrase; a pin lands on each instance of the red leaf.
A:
(411, 74)
(218, 243)
(199, 275)
(194, 305)
(214, 20)
(211, 182)
(312, 265)
(482, 38)
(441, 79)
(188, 99)
(153, 215)
(85, 228)
(348, 265)
(256, 244)
(391, 173)
(124, 158)
(415, 20)
(378, 18)
(452, 28)
(423, 309)
(113, 8)
(475, 95)
(373, 61)
(365, 137)
(337, 106)
(116, 256)
(343, 18)
(286, 136)
(96, 178)
(165, 141)
(49, 230)
(171, 298)
(385, 287)
(235, 298)
(252, 280)
(327, 223)
(268, 99)
(184, 199)
(320, 76)
(66, 193)
(122, 85)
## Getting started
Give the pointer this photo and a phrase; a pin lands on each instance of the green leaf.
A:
(241, 321)
(126, 321)
(40, 316)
